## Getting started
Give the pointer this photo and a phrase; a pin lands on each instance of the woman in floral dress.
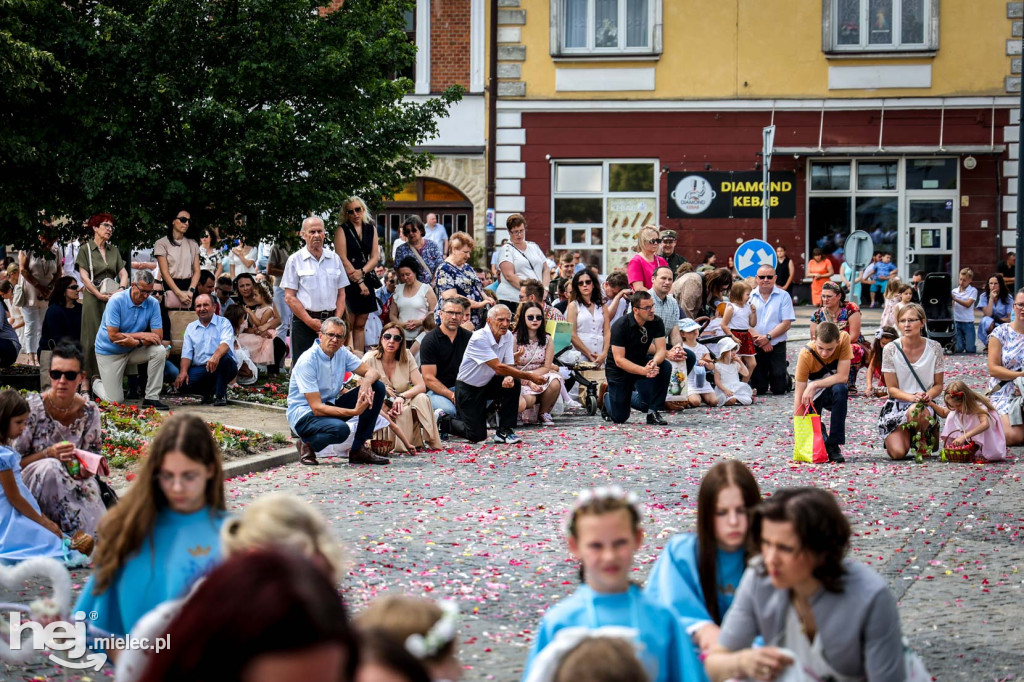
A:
(845, 315)
(456, 277)
(60, 421)
(1006, 364)
(533, 353)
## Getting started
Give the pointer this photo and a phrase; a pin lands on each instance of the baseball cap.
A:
(688, 325)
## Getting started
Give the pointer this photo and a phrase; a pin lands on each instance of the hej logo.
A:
(57, 636)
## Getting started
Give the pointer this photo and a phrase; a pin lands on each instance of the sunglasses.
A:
(56, 374)
(586, 283)
(654, 241)
(534, 318)
(72, 286)
(353, 211)
(766, 276)
(391, 337)
(183, 220)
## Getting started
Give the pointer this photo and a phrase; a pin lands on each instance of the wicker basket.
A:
(959, 454)
(382, 447)
(82, 542)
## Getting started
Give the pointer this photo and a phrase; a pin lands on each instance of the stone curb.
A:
(261, 406)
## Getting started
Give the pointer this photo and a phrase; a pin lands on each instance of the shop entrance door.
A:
(930, 237)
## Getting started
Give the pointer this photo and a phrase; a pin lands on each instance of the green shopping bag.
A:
(808, 444)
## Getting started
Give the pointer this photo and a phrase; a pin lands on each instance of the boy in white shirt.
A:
(965, 297)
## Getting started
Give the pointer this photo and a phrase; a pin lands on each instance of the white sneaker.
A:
(546, 419)
(573, 405)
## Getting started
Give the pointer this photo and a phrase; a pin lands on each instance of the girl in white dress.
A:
(729, 375)
(699, 388)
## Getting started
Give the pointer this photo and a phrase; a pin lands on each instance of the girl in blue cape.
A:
(25, 533)
(604, 534)
(696, 574)
(163, 534)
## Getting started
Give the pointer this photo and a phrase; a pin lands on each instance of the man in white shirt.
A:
(436, 233)
(488, 372)
(775, 315)
(314, 282)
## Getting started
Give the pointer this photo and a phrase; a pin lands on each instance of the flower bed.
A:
(273, 391)
(127, 429)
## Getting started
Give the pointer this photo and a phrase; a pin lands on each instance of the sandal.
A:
(309, 459)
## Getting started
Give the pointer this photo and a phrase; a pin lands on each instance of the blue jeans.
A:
(964, 339)
(641, 394)
(202, 382)
(319, 432)
(439, 402)
(835, 399)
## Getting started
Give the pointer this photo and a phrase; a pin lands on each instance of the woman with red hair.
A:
(97, 261)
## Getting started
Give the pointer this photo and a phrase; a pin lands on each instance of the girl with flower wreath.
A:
(426, 629)
(604, 534)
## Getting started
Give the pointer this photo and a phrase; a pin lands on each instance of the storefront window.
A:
(877, 175)
(830, 176)
(828, 223)
(598, 207)
(931, 174)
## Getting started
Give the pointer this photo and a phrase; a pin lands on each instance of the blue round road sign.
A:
(753, 254)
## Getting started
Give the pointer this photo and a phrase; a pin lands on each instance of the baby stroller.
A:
(577, 369)
(937, 301)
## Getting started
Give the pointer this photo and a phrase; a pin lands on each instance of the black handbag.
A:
(107, 493)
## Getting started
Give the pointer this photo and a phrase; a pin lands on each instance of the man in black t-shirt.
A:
(1008, 269)
(441, 352)
(632, 365)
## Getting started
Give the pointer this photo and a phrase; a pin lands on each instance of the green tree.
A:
(272, 109)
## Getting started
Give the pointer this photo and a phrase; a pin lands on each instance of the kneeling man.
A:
(316, 411)
(822, 370)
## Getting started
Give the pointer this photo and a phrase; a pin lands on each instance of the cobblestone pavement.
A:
(481, 523)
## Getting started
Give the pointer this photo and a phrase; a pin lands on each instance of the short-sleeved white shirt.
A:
(528, 264)
(483, 348)
(316, 282)
(437, 234)
(927, 366)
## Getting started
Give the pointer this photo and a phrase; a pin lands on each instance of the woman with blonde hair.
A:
(425, 628)
(356, 243)
(411, 416)
(641, 267)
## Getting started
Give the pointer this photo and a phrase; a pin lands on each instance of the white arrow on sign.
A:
(745, 261)
(763, 258)
(94, 660)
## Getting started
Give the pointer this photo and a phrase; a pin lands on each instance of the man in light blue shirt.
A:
(774, 317)
(317, 410)
(131, 333)
(207, 362)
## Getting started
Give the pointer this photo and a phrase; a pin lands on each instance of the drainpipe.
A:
(492, 125)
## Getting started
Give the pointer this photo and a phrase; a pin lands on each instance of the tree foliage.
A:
(272, 109)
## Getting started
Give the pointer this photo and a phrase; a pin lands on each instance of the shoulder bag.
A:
(108, 285)
(370, 278)
(911, 366)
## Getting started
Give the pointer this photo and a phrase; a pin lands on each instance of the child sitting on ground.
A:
(875, 382)
(604, 534)
(974, 418)
(730, 374)
(698, 387)
(740, 316)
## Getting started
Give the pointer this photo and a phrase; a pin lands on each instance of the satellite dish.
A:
(858, 249)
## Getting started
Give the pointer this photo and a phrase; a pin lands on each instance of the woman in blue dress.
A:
(604, 534)
(995, 305)
(164, 533)
(696, 574)
(24, 532)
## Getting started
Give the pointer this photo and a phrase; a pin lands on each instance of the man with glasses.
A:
(667, 250)
(441, 353)
(208, 363)
(637, 377)
(317, 410)
(131, 332)
(314, 284)
(225, 289)
(775, 315)
(488, 372)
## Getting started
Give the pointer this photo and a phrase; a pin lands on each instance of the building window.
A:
(605, 27)
(599, 206)
(880, 25)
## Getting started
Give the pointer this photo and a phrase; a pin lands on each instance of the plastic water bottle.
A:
(699, 376)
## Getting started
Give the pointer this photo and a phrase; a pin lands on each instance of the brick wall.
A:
(449, 43)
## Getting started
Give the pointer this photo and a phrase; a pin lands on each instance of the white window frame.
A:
(557, 33)
(604, 195)
(830, 31)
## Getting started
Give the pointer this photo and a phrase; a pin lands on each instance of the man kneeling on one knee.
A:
(488, 372)
(822, 371)
(207, 363)
(317, 410)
